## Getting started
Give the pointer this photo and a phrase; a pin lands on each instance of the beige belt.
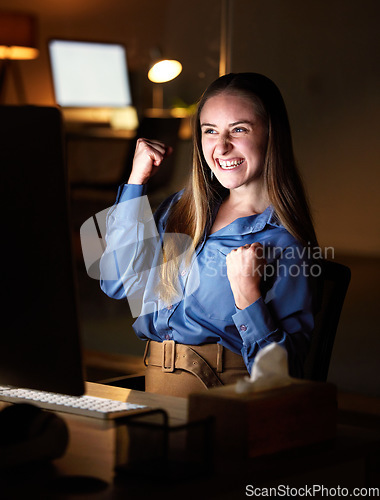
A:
(203, 361)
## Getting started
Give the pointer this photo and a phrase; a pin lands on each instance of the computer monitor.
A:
(90, 80)
(89, 74)
(40, 336)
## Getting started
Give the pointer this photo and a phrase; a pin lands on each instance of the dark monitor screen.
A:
(40, 338)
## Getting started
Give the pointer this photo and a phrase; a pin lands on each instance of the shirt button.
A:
(169, 308)
(167, 336)
(243, 328)
(183, 272)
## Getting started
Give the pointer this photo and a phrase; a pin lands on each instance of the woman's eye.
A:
(240, 129)
(209, 131)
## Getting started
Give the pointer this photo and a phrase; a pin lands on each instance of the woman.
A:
(223, 269)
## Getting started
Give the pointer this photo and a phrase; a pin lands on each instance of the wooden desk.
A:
(175, 407)
(93, 444)
(96, 447)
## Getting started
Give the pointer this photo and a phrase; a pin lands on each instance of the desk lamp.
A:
(162, 71)
(17, 41)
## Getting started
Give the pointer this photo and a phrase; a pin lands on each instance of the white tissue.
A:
(269, 370)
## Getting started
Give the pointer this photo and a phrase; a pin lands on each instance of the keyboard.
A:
(89, 406)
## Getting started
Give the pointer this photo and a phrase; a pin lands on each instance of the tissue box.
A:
(260, 423)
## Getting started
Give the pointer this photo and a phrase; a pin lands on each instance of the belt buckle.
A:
(168, 360)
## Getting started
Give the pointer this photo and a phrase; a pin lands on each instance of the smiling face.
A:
(234, 140)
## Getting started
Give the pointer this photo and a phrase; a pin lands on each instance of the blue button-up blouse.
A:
(205, 311)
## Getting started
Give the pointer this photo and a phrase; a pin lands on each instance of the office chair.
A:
(335, 279)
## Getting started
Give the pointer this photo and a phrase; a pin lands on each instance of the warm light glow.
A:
(17, 36)
(124, 119)
(164, 71)
(16, 52)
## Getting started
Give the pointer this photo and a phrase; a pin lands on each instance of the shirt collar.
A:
(252, 223)
(256, 223)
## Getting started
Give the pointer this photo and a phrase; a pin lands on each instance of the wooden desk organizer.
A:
(260, 423)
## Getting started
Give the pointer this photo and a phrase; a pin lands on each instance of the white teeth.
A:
(226, 164)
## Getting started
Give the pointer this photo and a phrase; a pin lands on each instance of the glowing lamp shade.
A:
(17, 36)
(164, 71)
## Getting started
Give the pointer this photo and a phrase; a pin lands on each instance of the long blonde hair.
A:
(192, 214)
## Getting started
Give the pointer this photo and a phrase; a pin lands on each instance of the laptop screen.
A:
(89, 74)
(40, 336)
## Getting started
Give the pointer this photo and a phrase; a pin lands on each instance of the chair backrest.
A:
(335, 280)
